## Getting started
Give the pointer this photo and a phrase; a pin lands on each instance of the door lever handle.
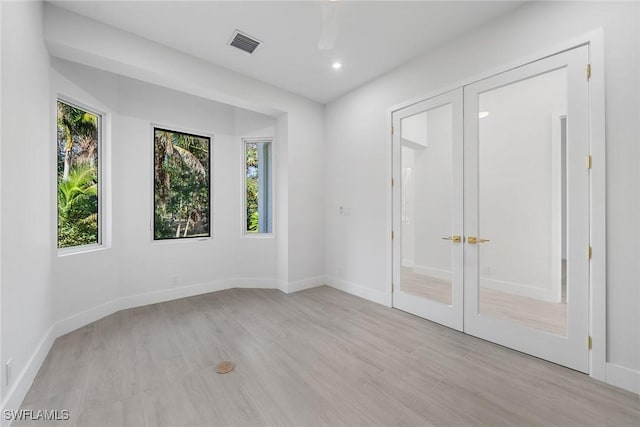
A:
(472, 240)
(454, 239)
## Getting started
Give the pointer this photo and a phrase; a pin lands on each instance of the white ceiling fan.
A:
(329, 31)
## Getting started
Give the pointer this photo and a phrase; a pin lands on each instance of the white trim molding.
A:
(93, 314)
(301, 285)
(364, 292)
(598, 223)
(432, 272)
(24, 380)
(623, 377)
(519, 289)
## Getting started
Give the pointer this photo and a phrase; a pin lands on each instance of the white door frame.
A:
(598, 290)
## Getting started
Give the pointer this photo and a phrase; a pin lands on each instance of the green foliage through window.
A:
(181, 185)
(258, 186)
(77, 170)
(252, 187)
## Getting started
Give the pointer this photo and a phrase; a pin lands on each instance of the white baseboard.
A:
(622, 377)
(252, 283)
(369, 294)
(407, 263)
(83, 318)
(169, 294)
(23, 381)
(301, 285)
(432, 272)
(519, 289)
(498, 285)
(77, 321)
(282, 285)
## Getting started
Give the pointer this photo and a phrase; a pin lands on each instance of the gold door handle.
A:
(454, 239)
(472, 240)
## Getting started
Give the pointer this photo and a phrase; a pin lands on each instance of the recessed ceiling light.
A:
(336, 65)
(483, 114)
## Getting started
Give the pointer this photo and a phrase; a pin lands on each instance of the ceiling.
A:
(373, 37)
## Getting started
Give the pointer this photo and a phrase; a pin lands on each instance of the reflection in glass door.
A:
(521, 269)
(527, 209)
(428, 209)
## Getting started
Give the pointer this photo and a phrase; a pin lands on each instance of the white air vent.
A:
(244, 42)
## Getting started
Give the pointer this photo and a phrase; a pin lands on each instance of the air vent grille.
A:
(244, 42)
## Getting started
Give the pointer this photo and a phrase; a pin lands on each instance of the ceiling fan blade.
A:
(329, 31)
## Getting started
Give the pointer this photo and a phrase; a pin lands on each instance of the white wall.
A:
(300, 126)
(134, 264)
(27, 229)
(2, 393)
(83, 281)
(358, 152)
(638, 169)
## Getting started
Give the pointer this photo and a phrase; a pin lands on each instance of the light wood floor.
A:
(535, 313)
(317, 357)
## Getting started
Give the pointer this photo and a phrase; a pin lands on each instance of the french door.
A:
(427, 153)
(493, 221)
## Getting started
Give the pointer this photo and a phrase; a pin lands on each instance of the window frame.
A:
(103, 119)
(152, 220)
(243, 160)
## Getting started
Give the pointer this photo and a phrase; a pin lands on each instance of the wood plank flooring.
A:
(314, 358)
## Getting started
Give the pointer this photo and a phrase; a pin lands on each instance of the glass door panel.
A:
(520, 206)
(426, 204)
(428, 215)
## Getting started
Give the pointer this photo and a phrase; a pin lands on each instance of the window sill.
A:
(76, 250)
(258, 235)
(183, 240)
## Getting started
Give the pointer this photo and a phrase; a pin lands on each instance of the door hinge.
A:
(588, 71)
(391, 130)
(392, 182)
(589, 252)
(392, 235)
(392, 287)
(589, 342)
(589, 162)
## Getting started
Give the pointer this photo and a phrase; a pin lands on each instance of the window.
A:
(181, 185)
(257, 168)
(78, 170)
